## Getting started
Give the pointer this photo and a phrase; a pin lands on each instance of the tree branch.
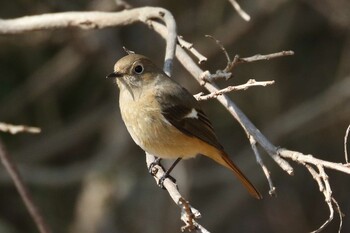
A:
(309, 159)
(14, 129)
(259, 160)
(188, 213)
(346, 144)
(248, 84)
(95, 20)
(23, 191)
(239, 10)
(189, 46)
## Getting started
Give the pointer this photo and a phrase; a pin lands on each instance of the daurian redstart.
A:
(163, 118)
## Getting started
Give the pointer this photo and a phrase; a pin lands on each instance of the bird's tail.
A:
(223, 159)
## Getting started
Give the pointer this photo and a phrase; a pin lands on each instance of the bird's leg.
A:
(155, 162)
(167, 174)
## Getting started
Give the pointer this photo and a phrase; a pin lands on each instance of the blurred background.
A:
(87, 175)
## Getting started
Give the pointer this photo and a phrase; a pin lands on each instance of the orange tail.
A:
(224, 160)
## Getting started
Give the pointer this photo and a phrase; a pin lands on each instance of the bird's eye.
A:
(138, 69)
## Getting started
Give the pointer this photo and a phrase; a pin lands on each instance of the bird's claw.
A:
(154, 163)
(163, 178)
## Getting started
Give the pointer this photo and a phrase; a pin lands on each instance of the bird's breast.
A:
(152, 132)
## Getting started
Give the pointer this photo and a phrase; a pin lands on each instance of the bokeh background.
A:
(87, 175)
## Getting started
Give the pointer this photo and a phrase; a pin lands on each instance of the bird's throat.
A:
(123, 85)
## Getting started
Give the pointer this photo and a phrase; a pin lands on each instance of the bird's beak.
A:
(115, 74)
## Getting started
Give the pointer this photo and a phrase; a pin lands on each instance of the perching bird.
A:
(163, 118)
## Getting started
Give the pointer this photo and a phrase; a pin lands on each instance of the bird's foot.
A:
(154, 163)
(166, 173)
(163, 178)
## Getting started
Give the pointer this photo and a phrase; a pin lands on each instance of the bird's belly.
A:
(154, 134)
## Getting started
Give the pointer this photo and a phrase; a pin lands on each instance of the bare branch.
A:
(14, 129)
(189, 47)
(240, 11)
(206, 76)
(321, 178)
(23, 191)
(259, 160)
(267, 57)
(227, 69)
(346, 144)
(303, 159)
(248, 84)
(327, 192)
(340, 214)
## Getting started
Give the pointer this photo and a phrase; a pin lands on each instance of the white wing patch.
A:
(192, 114)
(165, 120)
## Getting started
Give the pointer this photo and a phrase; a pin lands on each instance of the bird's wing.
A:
(182, 110)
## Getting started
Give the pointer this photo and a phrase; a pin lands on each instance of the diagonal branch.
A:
(239, 10)
(23, 191)
(188, 213)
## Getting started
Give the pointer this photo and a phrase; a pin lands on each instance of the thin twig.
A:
(227, 71)
(240, 11)
(23, 191)
(259, 57)
(223, 49)
(341, 215)
(189, 46)
(327, 192)
(206, 76)
(346, 144)
(322, 180)
(14, 129)
(248, 84)
(266, 171)
(316, 177)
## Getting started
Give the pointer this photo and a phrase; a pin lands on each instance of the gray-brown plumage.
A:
(163, 118)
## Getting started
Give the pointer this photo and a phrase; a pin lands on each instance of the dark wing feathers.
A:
(176, 105)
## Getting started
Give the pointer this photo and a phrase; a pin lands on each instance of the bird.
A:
(164, 118)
